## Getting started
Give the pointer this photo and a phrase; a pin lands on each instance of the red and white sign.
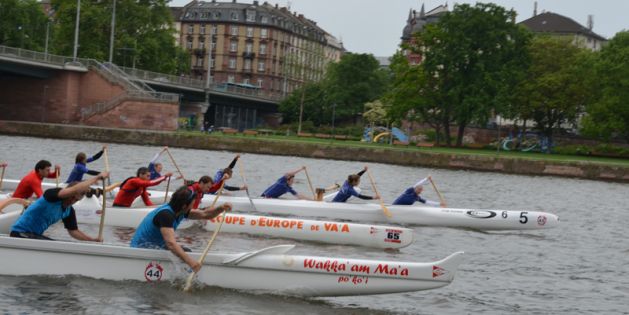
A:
(438, 271)
(541, 220)
(153, 272)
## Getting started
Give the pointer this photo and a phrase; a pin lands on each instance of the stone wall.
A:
(261, 145)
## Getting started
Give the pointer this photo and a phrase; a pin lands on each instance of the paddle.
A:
(102, 213)
(443, 202)
(188, 285)
(176, 166)
(107, 167)
(373, 185)
(241, 170)
(314, 196)
(167, 186)
(57, 177)
(2, 176)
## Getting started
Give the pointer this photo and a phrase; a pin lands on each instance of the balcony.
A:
(248, 55)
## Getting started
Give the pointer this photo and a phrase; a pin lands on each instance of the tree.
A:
(556, 88)
(608, 113)
(353, 81)
(316, 108)
(22, 24)
(470, 59)
(143, 35)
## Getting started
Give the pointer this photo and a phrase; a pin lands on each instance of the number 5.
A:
(523, 218)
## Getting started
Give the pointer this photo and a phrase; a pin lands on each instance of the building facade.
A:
(553, 24)
(416, 23)
(253, 45)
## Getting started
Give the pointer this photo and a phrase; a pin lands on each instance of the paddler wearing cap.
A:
(412, 194)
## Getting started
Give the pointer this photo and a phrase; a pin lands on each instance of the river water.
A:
(580, 267)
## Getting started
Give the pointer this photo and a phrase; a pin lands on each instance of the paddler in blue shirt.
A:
(283, 185)
(156, 167)
(219, 177)
(54, 205)
(157, 229)
(347, 190)
(80, 166)
(412, 194)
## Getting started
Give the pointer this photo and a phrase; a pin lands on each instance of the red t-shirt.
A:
(31, 184)
(134, 188)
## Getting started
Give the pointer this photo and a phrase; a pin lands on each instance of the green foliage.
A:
(472, 58)
(143, 35)
(316, 109)
(375, 112)
(555, 88)
(22, 24)
(607, 150)
(608, 113)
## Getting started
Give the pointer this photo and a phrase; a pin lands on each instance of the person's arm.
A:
(82, 186)
(36, 187)
(429, 202)
(233, 163)
(362, 172)
(154, 182)
(71, 225)
(209, 213)
(11, 201)
(53, 173)
(92, 172)
(97, 155)
(233, 188)
(302, 197)
(168, 233)
(293, 173)
(146, 197)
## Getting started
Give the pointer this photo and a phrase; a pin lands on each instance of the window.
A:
(234, 16)
(217, 15)
(202, 29)
(214, 29)
(231, 79)
(264, 33)
(247, 64)
(201, 43)
(233, 46)
(232, 63)
(234, 30)
(189, 43)
(261, 66)
(249, 31)
(213, 46)
(264, 19)
(249, 48)
(200, 61)
(190, 29)
(212, 62)
(260, 83)
(251, 16)
(262, 49)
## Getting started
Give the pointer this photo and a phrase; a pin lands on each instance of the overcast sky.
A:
(375, 26)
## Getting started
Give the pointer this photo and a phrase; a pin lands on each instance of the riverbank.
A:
(487, 161)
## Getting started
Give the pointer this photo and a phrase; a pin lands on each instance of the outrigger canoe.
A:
(270, 270)
(479, 219)
(342, 233)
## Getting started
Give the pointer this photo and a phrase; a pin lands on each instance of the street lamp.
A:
(111, 36)
(76, 29)
(333, 114)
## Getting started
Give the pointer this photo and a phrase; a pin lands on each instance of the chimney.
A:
(535, 8)
(276, 6)
(590, 22)
(256, 3)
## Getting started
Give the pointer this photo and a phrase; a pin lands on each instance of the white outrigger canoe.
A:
(342, 233)
(479, 219)
(270, 270)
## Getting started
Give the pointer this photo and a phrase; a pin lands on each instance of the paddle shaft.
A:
(436, 190)
(373, 185)
(188, 285)
(2, 176)
(102, 213)
(167, 186)
(244, 180)
(107, 165)
(310, 184)
(57, 177)
(175, 164)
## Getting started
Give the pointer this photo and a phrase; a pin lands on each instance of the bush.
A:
(603, 149)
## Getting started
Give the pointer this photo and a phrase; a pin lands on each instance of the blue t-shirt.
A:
(345, 192)
(408, 197)
(279, 188)
(44, 212)
(148, 234)
(154, 173)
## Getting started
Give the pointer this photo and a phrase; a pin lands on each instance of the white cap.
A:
(424, 181)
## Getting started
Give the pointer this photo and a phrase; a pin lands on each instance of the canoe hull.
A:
(273, 271)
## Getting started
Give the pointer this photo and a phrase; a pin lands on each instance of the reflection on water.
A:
(579, 267)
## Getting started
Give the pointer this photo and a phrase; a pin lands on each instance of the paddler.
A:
(31, 183)
(156, 167)
(283, 185)
(203, 186)
(347, 190)
(134, 187)
(80, 166)
(157, 229)
(412, 194)
(56, 204)
(225, 174)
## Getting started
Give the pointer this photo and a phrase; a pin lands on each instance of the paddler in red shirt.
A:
(203, 186)
(134, 187)
(31, 183)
